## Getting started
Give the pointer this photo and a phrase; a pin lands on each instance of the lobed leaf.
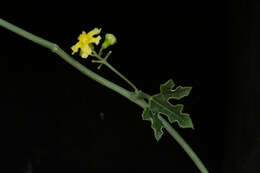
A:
(159, 104)
(156, 124)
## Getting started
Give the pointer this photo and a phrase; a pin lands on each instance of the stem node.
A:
(55, 48)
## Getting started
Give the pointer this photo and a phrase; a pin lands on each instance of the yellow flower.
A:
(85, 42)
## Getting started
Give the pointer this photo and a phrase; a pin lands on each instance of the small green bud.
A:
(110, 40)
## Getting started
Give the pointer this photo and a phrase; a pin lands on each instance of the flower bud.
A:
(110, 40)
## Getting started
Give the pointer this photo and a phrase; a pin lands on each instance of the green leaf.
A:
(159, 104)
(156, 123)
(178, 93)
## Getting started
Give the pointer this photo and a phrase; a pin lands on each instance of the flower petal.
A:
(75, 48)
(95, 40)
(82, 35)
(94, 32)
(85, 51)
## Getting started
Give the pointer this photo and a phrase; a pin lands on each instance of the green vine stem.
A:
(132, 96)
(184, 145)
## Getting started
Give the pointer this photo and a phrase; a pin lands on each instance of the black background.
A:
(51, 112)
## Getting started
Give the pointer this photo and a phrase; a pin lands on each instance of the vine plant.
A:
(154, 106)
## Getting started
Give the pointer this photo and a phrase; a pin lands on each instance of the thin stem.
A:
(143, 95)
(107, 55)
(103, 60)
(129, 95)
(184, 145)
(100, 51)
